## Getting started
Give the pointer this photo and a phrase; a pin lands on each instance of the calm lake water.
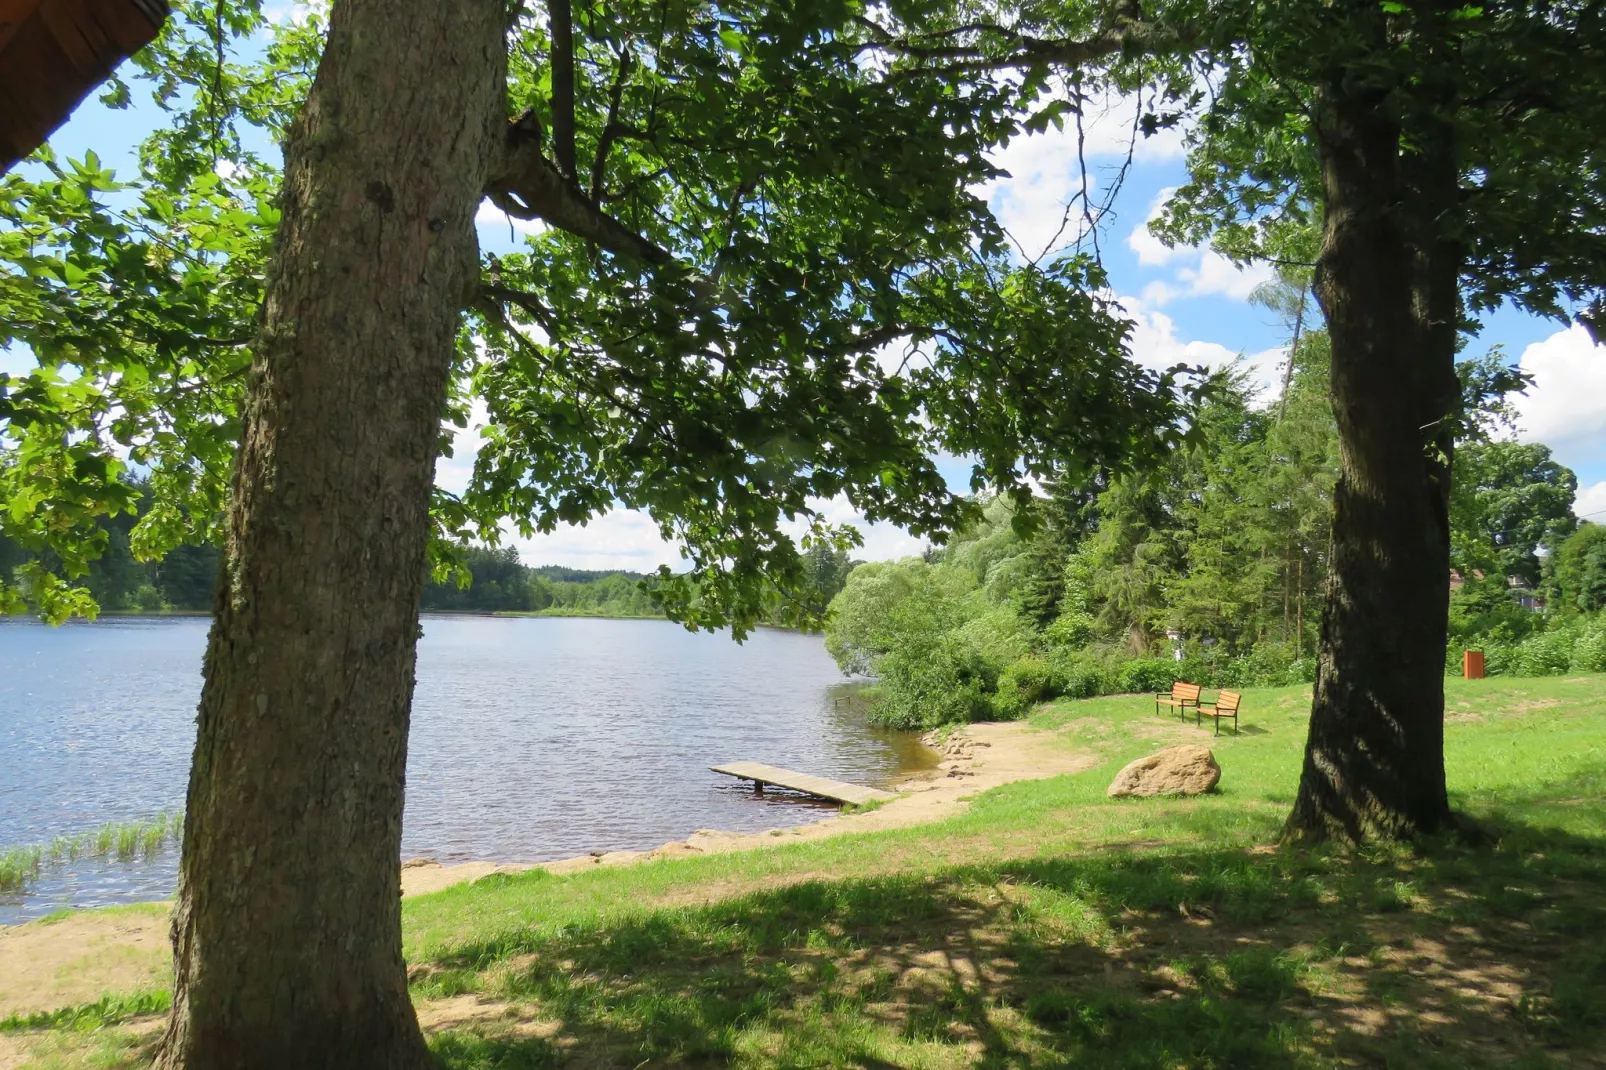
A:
(533, 738)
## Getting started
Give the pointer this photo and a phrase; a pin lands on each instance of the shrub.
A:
(1022, 685)
(1589, 649)
(1274, 665)
(1077, 674)
(1544, 654)
(924, 685)
(1147, 674)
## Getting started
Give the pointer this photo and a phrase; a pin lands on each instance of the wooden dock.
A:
(836, 790)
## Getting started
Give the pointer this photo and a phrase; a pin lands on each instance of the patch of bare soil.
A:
(13, 1052)
(421, 876)
(46, 965)
(975, 758)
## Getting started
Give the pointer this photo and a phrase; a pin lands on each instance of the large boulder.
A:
(1186, 770)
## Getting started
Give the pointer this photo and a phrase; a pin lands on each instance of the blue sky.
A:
(1186, 304)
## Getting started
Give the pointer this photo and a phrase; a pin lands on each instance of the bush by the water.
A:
(950, 641)
(1212, 570)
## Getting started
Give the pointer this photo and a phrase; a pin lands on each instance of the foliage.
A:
(1571, 645)
(1575, 580)
(1500, 88)
(137, 297)
(489, 580)
(927, 631)
(1207, 569)
(1509, 501)
(121, 579)
(494, 580)
(752, 213)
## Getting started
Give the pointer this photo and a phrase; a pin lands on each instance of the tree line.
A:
(1213, 567)
(484, 579)
(493, 579)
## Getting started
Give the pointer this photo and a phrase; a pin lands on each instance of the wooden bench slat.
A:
(1181, 696)
(1226, 705)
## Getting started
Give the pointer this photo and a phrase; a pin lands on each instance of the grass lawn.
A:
(1049, 926)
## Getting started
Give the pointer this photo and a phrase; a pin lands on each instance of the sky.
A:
(1187, 305)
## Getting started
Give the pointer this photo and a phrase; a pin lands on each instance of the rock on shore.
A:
(1185, 770)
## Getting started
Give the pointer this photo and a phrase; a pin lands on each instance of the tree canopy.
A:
(764, 280)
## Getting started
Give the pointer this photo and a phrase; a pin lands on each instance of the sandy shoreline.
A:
(974, 758)
(74, 960)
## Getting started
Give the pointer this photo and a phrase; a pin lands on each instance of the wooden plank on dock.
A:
(761, 774)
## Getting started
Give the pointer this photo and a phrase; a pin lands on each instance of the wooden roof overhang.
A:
(54, 52)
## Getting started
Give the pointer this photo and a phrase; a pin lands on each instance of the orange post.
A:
(1472, 664)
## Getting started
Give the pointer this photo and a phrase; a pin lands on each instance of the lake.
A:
(533, 738)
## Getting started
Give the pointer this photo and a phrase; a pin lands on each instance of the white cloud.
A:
(887, 542)
(1591, 502)
(489, 215)
(624, 539)
(1216, 275)
(1045, 171)
(882, 541)
(1197, 271)
(1566, 406)
(629, 539)
(293, 12)
(1152, 252)
(1154, 344)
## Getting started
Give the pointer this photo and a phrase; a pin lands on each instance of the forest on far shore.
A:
(494, 580)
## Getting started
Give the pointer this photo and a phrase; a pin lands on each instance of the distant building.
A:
(1521, 590)
(1525, 595)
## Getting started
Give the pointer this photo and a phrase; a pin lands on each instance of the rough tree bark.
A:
(1374, 760)
(287, 937)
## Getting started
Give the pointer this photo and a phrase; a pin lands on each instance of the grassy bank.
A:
(1050, 926)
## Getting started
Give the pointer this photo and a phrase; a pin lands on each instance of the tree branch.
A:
(530, 186)
(610, 129)
(1128, 33)
(527, 185)
(562, 23)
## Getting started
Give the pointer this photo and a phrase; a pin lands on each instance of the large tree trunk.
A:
(287, 937)
(1374, 760)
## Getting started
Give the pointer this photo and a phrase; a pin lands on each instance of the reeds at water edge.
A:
(124, 841)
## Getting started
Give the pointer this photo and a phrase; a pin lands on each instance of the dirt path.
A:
(79, 958)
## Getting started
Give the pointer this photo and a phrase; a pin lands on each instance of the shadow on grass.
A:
(1442, 956)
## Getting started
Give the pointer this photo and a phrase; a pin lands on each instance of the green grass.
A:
(124, 841)
(108, 1010)
(1049, 926)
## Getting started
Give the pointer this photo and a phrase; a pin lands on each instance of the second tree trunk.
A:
(1374, 761)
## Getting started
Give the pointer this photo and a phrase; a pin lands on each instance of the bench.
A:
(1226, 705)
(1181, 698)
